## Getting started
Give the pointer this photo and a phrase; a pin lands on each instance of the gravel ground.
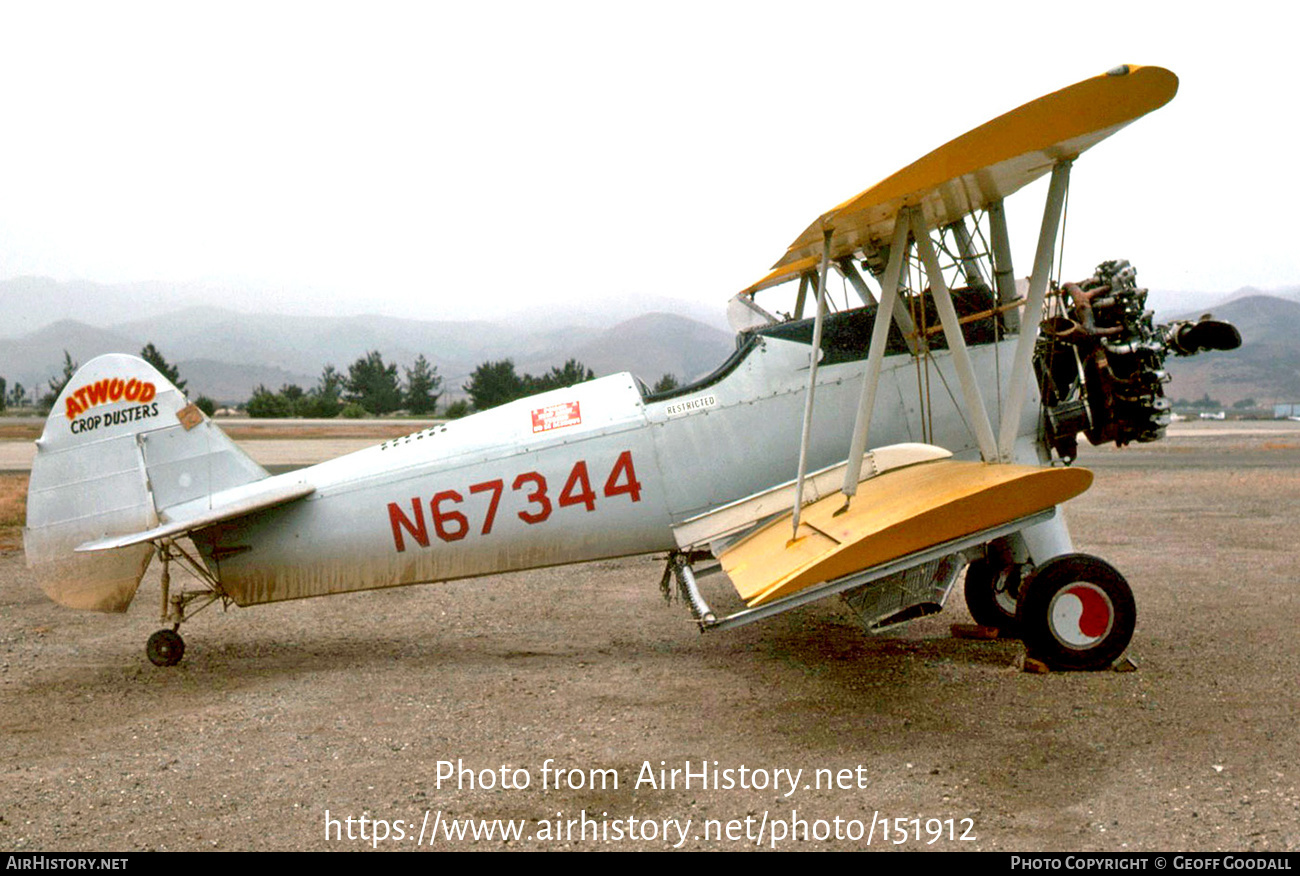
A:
(281, 713)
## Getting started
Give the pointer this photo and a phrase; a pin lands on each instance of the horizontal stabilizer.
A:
(895, 514)
(233, 503)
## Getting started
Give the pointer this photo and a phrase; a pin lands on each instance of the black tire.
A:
(989, 606)
(1077, 613)
(165, 648)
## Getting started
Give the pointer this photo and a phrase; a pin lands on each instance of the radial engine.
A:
(1101, 363)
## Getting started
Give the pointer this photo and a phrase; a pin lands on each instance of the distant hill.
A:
(36, 357)
(659, 343)
(29, 304)
(1266, 368)
(225, 355)
(304, 344)
(1176, 305)
(233, 383)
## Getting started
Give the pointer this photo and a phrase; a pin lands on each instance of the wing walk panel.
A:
(895, 514)
(733, 519)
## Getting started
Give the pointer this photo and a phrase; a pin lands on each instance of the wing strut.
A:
(912, 220)
(802, 297)
(970, 266)
(1003, 274)
(850, 273)
(813, 357)
(970, 389)
(1023, 361)
(875, 355)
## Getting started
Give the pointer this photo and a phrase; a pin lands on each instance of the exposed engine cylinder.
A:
(1100, 368)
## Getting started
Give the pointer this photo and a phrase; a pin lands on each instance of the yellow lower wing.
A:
(893, 515)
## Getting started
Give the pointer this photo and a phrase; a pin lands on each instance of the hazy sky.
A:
(425, 158)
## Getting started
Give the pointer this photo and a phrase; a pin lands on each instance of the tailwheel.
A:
(1077, 612)
(165, 648)
(992, 594)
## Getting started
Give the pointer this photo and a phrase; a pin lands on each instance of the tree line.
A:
(371, 387)
(495, 383)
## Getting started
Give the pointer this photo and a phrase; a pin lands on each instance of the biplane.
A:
(969, 387)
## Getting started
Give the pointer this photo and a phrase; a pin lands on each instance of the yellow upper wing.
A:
(983, 165)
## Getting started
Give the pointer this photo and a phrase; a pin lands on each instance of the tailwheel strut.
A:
(166, 647)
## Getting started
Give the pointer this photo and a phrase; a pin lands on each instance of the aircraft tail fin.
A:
(120, 447)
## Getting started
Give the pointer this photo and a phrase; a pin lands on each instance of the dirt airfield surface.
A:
(348, 704)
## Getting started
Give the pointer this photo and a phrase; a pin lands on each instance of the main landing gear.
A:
(166, 647)
(1074, 612)
(992, 593)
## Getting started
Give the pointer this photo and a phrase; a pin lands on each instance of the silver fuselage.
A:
(583, 473)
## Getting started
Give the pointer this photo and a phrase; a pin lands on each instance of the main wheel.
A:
(1077, 612)
(991, 595)
(165, 648)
